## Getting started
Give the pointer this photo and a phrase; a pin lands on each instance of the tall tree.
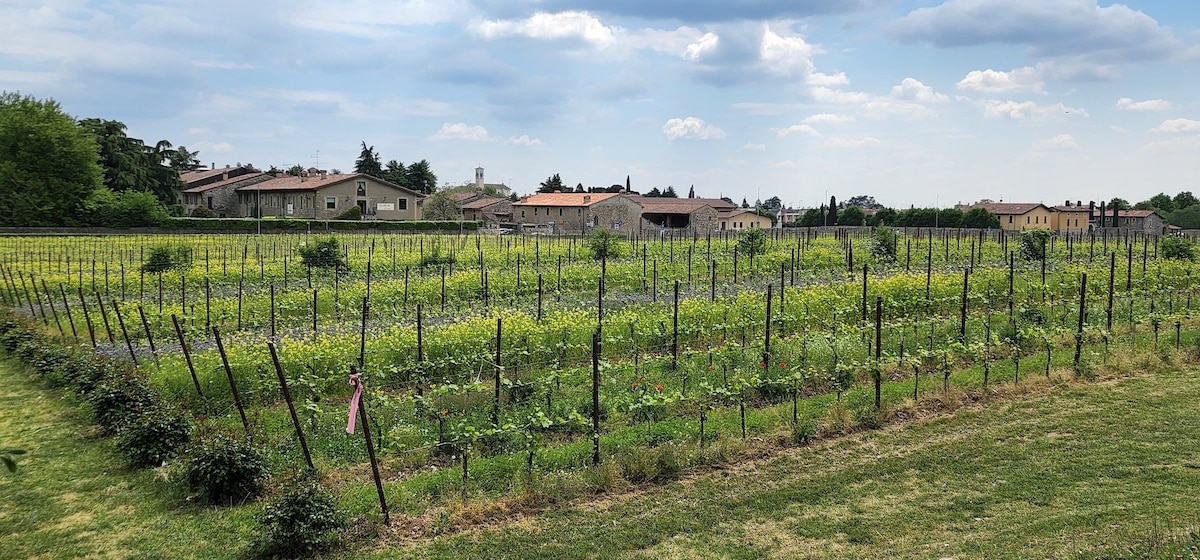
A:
(627, 189)
(654, 193)
(368, 162)
(669, 192)
(180, 159)
(579, 188)
(980, 218)
(131, 165)
(744, 203)
(1184, 200)
(692, 192)
(853, 216)
(395, 173)
(420, 177)
(440, 206)
(773, 203)
(552, 183)
(48, 163)
(831, 217)
(1103, 220)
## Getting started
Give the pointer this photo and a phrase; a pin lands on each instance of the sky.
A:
(914, 102)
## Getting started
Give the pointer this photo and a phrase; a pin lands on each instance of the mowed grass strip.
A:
(1089, 468)
(72, 498)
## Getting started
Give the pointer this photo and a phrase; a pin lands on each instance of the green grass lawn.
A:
(1086, 470)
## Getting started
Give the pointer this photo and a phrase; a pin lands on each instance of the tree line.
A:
(417, 176)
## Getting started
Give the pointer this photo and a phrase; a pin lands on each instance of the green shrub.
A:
(1035, 243)
(85, 371)
(324, 252)
(168, 257)
(752, 241)
(203, 212)
(354, 213)
(604, 244)
(223, 469)
(301, 521)
(153, 437)
(883, 244)
(118, 400)
(1177, 248)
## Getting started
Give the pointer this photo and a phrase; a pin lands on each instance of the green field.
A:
(1075, 470)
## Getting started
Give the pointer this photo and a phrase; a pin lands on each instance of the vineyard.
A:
(490, 366)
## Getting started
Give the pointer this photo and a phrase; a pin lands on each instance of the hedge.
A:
(294, 224)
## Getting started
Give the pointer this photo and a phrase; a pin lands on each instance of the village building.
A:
(500, 188)
(742, 218)
(1070, 218)
(324, 197)
(1148, 222)
(215, 189)
(1019, 216)
(577, 213)
(487, 209)
(693, 216)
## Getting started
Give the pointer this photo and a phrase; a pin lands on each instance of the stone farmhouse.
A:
(215, 189)
(577, 213)
(323, 196)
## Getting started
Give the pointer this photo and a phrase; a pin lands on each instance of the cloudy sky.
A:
(911, 101)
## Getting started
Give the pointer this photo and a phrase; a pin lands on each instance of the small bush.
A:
(1177, 248)
(1035, 243)
(324, 252)
(223, 469)
(117, 401)
(604, 244)
(354, 213)
(752, 242)
(168, 257)
(203, 212)
(883, 244)
(155, 436)
(301, 521)
(85, 371)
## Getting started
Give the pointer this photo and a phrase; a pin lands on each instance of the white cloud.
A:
(796, 129)
(703, 46)
(755, 147)
(784, 56)
(1116, 128)
(1027, 110)
(913, 90)
(994, 81)
(524, 140)
(827, 80)
(691, 128)
(1060, 142)
(1178, 125)
(461, 131)
(1127, 104)
(842, 142)
(580, 25)
(828, 118)
(822, 94)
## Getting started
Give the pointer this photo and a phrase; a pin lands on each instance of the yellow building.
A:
(741, 218)
(1018, 216)
(1075, 218)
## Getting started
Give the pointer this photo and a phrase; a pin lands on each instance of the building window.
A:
(535, 211)
(362, 188)
(331, 203)
(522, 213)
(1010, 219)
(210, 206)
(560, 211)
(1027, 219)
(403, 203)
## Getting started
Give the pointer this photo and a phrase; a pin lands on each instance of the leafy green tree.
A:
(421, 178)
(863, 201)
(1186, 218)
(744, 203)
(1177, 248)
(752, 241)
(48, 163)
(180, 159)
(811, 218)
(883, 243)
(1183, 200)
(395, 173)
(440, 206)
(949, 218)
(853, 216)
(654, 193)
(980, 218)
(1162, 203)
(1034, 244)
(669, 192)
(1118, 203)
(883, 217)
(131, 165)
(604, 244)
(295, 170)
(368, 162)
(552, 183)
(831, 215)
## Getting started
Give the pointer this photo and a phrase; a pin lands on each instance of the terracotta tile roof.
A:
(189, 177)
(1134, 213)
(253, 177)
(461, 197)
(481, 203)
(295, 183)
(656, 205)
(731, 212)
(717, 203)
(1009, 208)
(1070, 208)
(565, 199)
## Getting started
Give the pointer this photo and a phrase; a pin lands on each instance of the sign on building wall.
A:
(386, 206)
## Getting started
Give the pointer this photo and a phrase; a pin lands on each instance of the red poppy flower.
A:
(710, 368)
(658, 387)
(762, 365)
(782, 365)
(635, 384)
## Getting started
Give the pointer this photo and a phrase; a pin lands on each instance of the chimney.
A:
(587, 198)
(1067, 203)
(1078, 203)
(212, 165)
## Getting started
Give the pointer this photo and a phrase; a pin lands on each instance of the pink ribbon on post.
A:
(356, 381)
